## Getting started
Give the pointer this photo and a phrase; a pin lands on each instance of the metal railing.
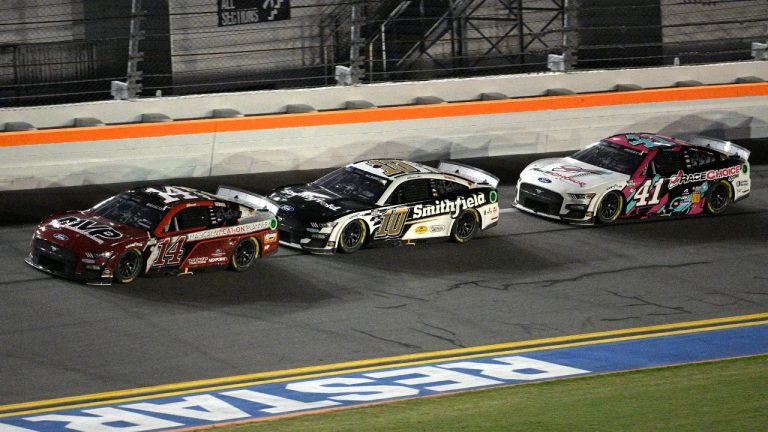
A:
(55, 53)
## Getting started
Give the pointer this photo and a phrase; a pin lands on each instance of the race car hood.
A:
(570, 175)
(311, 203)
(84, 231)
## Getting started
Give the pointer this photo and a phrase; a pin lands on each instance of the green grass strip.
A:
(730, 395)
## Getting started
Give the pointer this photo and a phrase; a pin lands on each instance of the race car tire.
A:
(466, 225)
(353, 236)
(719, 197)
(244, 254)
(128, 266)
(609, 208)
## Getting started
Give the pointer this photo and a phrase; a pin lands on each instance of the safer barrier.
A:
(285, 142)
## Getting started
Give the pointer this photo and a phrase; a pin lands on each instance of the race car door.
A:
(397, 217)
(423, 208)
(651, 197)
(172, 247)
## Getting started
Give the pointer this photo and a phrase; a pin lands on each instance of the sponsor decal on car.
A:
(453, 207)
(89, 228)
(680, 178)
(491, 211)
(437, 228)
(421, 229)
(579, 171)
(229, 231)
(270, 238)
(60, 236)
(559, 176)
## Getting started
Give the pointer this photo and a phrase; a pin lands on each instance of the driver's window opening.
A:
(189, 218)
(416, 190)
(666, 164)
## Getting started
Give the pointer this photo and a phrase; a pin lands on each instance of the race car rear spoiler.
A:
(721, 146)
(467, 172)
(247, 199)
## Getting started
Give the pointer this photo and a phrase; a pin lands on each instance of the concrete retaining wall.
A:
(283, 142)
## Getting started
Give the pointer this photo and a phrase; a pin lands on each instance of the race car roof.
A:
(165, 195)
(644, 141)
(392, 168)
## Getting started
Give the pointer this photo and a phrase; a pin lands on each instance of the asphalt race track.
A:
(527, 278)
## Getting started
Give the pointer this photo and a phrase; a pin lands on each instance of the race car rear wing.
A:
(469, 173)
(721, 146)
(248, 199)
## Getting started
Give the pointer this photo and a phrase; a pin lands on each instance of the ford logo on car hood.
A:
(60, 236)
(544, 180)
(286, 207)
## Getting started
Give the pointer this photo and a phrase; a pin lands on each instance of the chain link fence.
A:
(61, 51)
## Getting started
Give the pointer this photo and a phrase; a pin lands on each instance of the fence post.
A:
(134, 75)
(569, 42)
(356, 44)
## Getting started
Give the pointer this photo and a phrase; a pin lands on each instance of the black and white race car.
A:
(386, 201)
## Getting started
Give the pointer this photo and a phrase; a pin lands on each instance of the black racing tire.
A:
(245, 253)
(466, 226)
(719, 197)
(353, 236)
(609, 208)
(128, 267)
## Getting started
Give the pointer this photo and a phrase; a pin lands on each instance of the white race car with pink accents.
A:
(637, 175)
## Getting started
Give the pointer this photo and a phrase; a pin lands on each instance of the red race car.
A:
(162, 229)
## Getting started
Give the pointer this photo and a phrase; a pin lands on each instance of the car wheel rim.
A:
(719, 198)
(245, 253)
(352, 235)
(466, 225)
(609, 206)
(128, 264)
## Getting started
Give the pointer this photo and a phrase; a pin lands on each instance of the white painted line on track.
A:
(509, 210)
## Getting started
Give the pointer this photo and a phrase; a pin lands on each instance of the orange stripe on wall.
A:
(410, 112)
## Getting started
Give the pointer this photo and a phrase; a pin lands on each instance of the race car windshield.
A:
(610, 156)
(353, 183)
(130, 210)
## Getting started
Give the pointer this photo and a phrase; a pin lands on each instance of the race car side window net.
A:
(411, 191)
(666, 164)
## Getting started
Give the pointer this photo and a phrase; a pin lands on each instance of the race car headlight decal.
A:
(323, 227)
(581, 196)
(97, 255)
(322, 224)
